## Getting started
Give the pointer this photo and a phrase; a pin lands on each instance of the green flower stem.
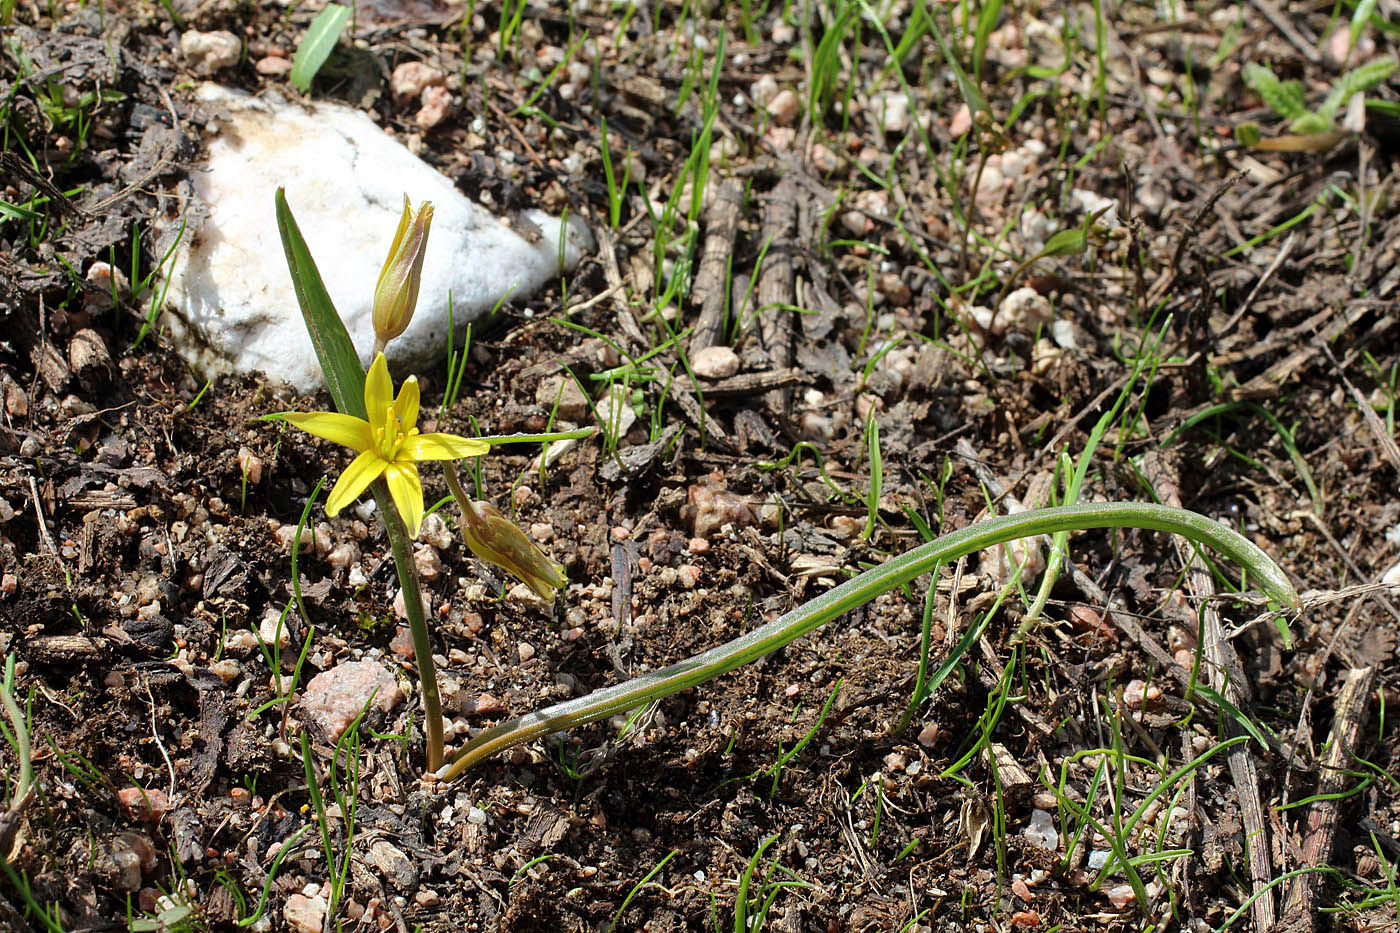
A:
(860, 590)
(402, 547)
(454, 486)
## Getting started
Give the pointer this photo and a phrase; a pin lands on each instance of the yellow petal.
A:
(407, 491)
(362, 471)
(379, 390)
(406, 405)
(398, 238)
(441, 447)
(333, 426)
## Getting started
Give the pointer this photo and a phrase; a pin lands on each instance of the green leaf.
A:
(1234, 712)
(1072, 241)
(1356, 81)
(859, 590)
(1248, 134)
(321, 37)
(986, 22)
(1285, 97)
(345, 375)
(975, 101)
(1359, 18)
(1311, 123)
(1064, 243)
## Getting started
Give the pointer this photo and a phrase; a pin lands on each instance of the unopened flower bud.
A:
(396, 295)
(496, 540)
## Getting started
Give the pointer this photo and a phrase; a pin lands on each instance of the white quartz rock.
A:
(230, 305)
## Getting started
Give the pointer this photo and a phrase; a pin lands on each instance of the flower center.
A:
(389, 434)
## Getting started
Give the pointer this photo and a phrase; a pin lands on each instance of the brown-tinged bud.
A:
(396, 295)
(496, 540)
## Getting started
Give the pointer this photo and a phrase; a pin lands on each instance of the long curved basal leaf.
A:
(862, 589)
(345, 375)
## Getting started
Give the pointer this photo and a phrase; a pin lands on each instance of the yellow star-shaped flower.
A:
(389, 444)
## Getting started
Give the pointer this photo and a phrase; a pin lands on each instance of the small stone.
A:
(402, 642)
(1041, 832)
(891, 111)
(146, 806)
(928, 735)
(1025, 309)
(273, 66)
(522, 594)
(335, 697)
(436, 532)
(1120, 895)
(128, 868)
(779, 139)
(564, 392)
(286, 534)
(1090, 620)
(210, 52)
(710, 507)
(484, 705)
(895, 289)
(429, 564)
(437, 107)
(763, 90)
(394, 865)
(1062, 331)
(784, 107)
(1392, 576)
(961, 122)
(411, 79)
(304, 914)
(9, 584)
(615, 412)
(142, 846)
(1140, 695)
(16, 400)
(846, 527)
(342, 555)
(525, 650)
(824, 159)
(688, 575)
(250, 466)
(228, 669)
(718, 362)
(241, 642)
(274, 629)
